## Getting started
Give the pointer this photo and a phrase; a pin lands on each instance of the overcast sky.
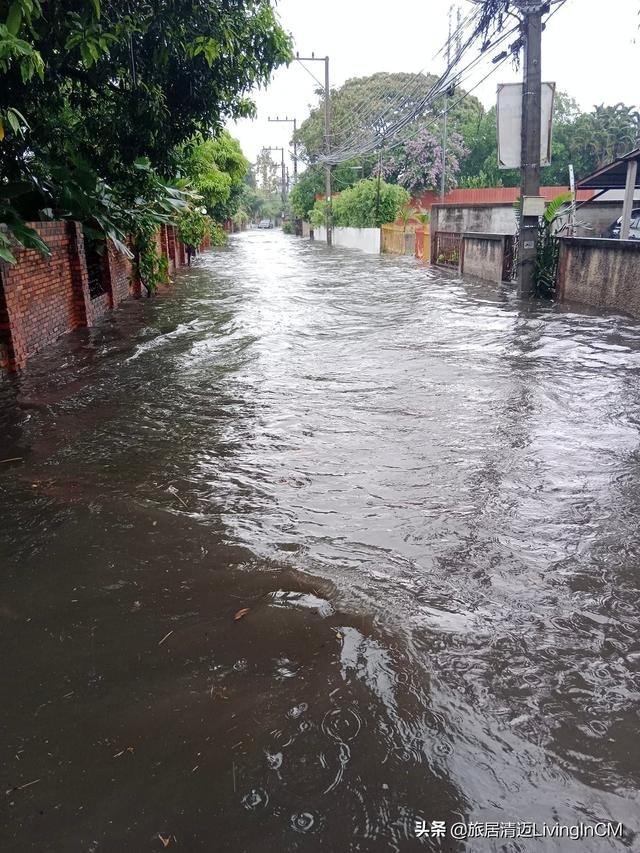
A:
(590, 50)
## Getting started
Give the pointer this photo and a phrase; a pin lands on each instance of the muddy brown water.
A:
(426, 494)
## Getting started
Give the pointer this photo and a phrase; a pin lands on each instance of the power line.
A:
(446, 80)
(437, 89)
(353, 150)
(410, 88)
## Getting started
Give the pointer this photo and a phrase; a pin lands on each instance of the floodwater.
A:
(424, 493)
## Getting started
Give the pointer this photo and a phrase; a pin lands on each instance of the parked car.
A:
(613, 231)
(265, 223)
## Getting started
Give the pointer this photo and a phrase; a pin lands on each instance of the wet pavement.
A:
(424, 494)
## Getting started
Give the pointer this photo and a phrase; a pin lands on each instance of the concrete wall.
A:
(482, 218)
(483, 256)
(596, 217)
(365, 239)
(602, 273)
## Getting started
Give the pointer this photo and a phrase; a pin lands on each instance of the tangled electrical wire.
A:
(489, 27)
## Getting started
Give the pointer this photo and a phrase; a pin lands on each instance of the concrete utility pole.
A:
(445, 119)
(327, 137)
(531, 132)
(295, 143)
(327, 144)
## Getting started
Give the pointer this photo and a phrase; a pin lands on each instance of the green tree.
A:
(312, 183)
(481, 140)
(357, 105)
(368, 204)
(216, 169)
(586, 140)
(267, 171)
(108, 84)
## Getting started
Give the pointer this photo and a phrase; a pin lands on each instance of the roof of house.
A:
(613, 176)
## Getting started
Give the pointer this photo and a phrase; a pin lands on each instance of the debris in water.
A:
(165, 841)
(166, 636)
(122, 751)
(21, 787)
(241, 613)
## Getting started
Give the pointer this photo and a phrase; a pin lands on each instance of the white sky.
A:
(590, 50)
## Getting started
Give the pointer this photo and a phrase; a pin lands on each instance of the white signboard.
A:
(510, 124)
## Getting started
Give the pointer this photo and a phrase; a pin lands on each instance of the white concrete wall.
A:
(365, 239)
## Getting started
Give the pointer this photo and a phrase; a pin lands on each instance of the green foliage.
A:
(479, 181)
(240, 219)
(218, 235)
(586, 140)
(368, 204)
(256, 203)
(312, 182)
(547, 246)
(479, 168)
(318, 214)
(555, 207)
(138, 81)
(287, 228)
(303, 195)
(14, 232)
(107, 85)
(216, 168)
(382, 91)
(267, 172)
(150, 266)
(406, 212)
(192, 228)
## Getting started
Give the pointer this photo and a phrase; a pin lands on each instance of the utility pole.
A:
(531, 133)
(327, 137)
(295, 143)
(327, 144)
(445, 118)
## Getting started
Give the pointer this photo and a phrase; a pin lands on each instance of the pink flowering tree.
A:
(416, 164)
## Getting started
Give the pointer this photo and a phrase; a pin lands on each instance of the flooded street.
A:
(426, 495)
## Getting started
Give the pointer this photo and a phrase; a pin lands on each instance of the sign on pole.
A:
(510, 124)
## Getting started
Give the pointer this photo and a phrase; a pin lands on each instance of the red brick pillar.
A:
(79, 276)
(13, 346)
(164, 241)
(173, 256)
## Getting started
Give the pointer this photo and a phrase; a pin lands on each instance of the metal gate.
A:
(446, 249)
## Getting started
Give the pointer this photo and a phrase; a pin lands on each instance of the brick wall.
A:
(42, 297)
(120, 275)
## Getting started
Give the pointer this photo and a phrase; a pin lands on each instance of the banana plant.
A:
(547, 246)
